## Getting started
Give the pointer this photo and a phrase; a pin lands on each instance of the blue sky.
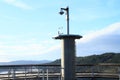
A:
(27, 27)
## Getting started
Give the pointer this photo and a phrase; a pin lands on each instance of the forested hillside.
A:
(95, 59)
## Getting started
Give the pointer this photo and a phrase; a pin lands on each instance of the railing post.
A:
(119, 76)
(47, 74)
(25, 73)
(62, 69)
(13, 73)
(119, 72)
(43, 77)
(38, 73)
(60, 75)
(9, 72)
(92, 72)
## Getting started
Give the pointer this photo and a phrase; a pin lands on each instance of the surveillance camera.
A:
(61, 12)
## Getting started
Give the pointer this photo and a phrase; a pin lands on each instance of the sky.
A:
(27, 28)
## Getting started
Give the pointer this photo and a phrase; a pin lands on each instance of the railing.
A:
(36, 71)
(53, 72)
(103, 70)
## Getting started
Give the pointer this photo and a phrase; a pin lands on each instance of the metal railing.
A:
(53, 72)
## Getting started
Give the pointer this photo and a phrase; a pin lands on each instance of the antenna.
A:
(67, 15)
(60, 30)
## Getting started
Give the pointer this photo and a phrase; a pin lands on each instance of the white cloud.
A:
(111, 29)
(18, 3)
(105, 40)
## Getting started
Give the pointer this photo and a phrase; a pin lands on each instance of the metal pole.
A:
(67, 16)
(67, 10)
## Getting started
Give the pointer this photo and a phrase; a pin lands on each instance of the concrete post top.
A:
(68, 36)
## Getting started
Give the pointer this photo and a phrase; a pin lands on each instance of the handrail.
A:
(27, 65)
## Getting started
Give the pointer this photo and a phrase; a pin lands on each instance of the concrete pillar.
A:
(68, 56)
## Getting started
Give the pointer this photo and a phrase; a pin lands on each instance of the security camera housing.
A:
(61, 12)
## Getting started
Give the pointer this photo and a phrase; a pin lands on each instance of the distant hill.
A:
(103, 58)
(24, 62)
(95, 59)
(92, 59)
